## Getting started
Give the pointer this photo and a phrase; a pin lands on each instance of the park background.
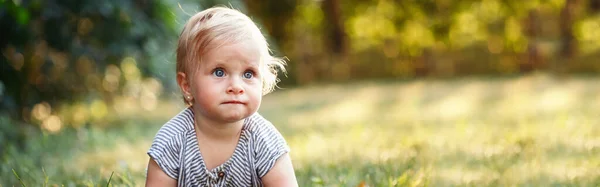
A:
(378, 92)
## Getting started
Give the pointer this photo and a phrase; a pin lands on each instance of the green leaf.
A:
(22, 16)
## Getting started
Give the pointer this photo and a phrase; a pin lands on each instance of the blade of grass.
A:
(19, 178)
(125, 178)
(45, 177)
(111, 175)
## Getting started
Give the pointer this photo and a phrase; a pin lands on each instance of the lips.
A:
(233, 102)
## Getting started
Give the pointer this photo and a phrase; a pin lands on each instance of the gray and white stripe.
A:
(175, 149)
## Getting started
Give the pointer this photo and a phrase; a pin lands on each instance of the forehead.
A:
(247, 51)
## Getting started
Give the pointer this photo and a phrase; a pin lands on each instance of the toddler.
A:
(223, 69)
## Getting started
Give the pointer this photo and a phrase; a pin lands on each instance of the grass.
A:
(522, 131)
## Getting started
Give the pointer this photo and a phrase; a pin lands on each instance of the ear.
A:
(184, 84)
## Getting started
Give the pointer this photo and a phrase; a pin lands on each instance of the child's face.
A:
(227, 87)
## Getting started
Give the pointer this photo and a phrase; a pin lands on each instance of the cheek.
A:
(257, 100)
(255, 91)
(204, 88)
(256, 88)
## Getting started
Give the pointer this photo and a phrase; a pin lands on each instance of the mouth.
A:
(233, 102)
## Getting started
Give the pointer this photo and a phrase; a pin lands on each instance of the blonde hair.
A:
(217, 26)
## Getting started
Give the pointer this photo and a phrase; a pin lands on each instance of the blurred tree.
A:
(567, 19)
(441, 15)
(336, 33)
(532, 29)
(58, 51)
(275, 20)
(594, 5)
(336, 40)
(274, 16)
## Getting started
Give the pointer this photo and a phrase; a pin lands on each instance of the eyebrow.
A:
(222, 63)
(217, 63)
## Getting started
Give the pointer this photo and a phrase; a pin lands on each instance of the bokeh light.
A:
(52, 124)
(41, 111)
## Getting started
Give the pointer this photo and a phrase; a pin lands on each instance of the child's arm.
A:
(156, 176)
(282, 173)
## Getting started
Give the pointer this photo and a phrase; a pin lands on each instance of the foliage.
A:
(76, 51)
(442, 38)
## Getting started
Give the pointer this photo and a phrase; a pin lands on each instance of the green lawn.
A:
(527, 131)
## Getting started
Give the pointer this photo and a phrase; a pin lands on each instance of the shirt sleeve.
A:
(269, 147)
(164, 151)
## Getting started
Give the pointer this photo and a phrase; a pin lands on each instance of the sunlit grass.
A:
(533, 131)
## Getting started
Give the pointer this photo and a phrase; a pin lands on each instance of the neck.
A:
(216, 130)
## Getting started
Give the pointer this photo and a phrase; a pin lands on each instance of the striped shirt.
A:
(175, 150)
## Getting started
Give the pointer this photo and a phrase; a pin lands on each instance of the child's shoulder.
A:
(261, 129)
(257, 124)
(179, 124)
(166, 146)
(267, 144)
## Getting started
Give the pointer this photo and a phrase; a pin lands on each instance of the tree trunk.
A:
(424, 65)
(594, 6)
(534, 58)
(336, 40)
(335, 31)
(569, 44)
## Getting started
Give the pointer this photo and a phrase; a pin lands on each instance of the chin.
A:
(234, 118)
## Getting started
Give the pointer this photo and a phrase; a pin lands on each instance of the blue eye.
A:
(219, 72)
(248, 74)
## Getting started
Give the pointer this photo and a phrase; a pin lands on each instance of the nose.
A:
(235, 87)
